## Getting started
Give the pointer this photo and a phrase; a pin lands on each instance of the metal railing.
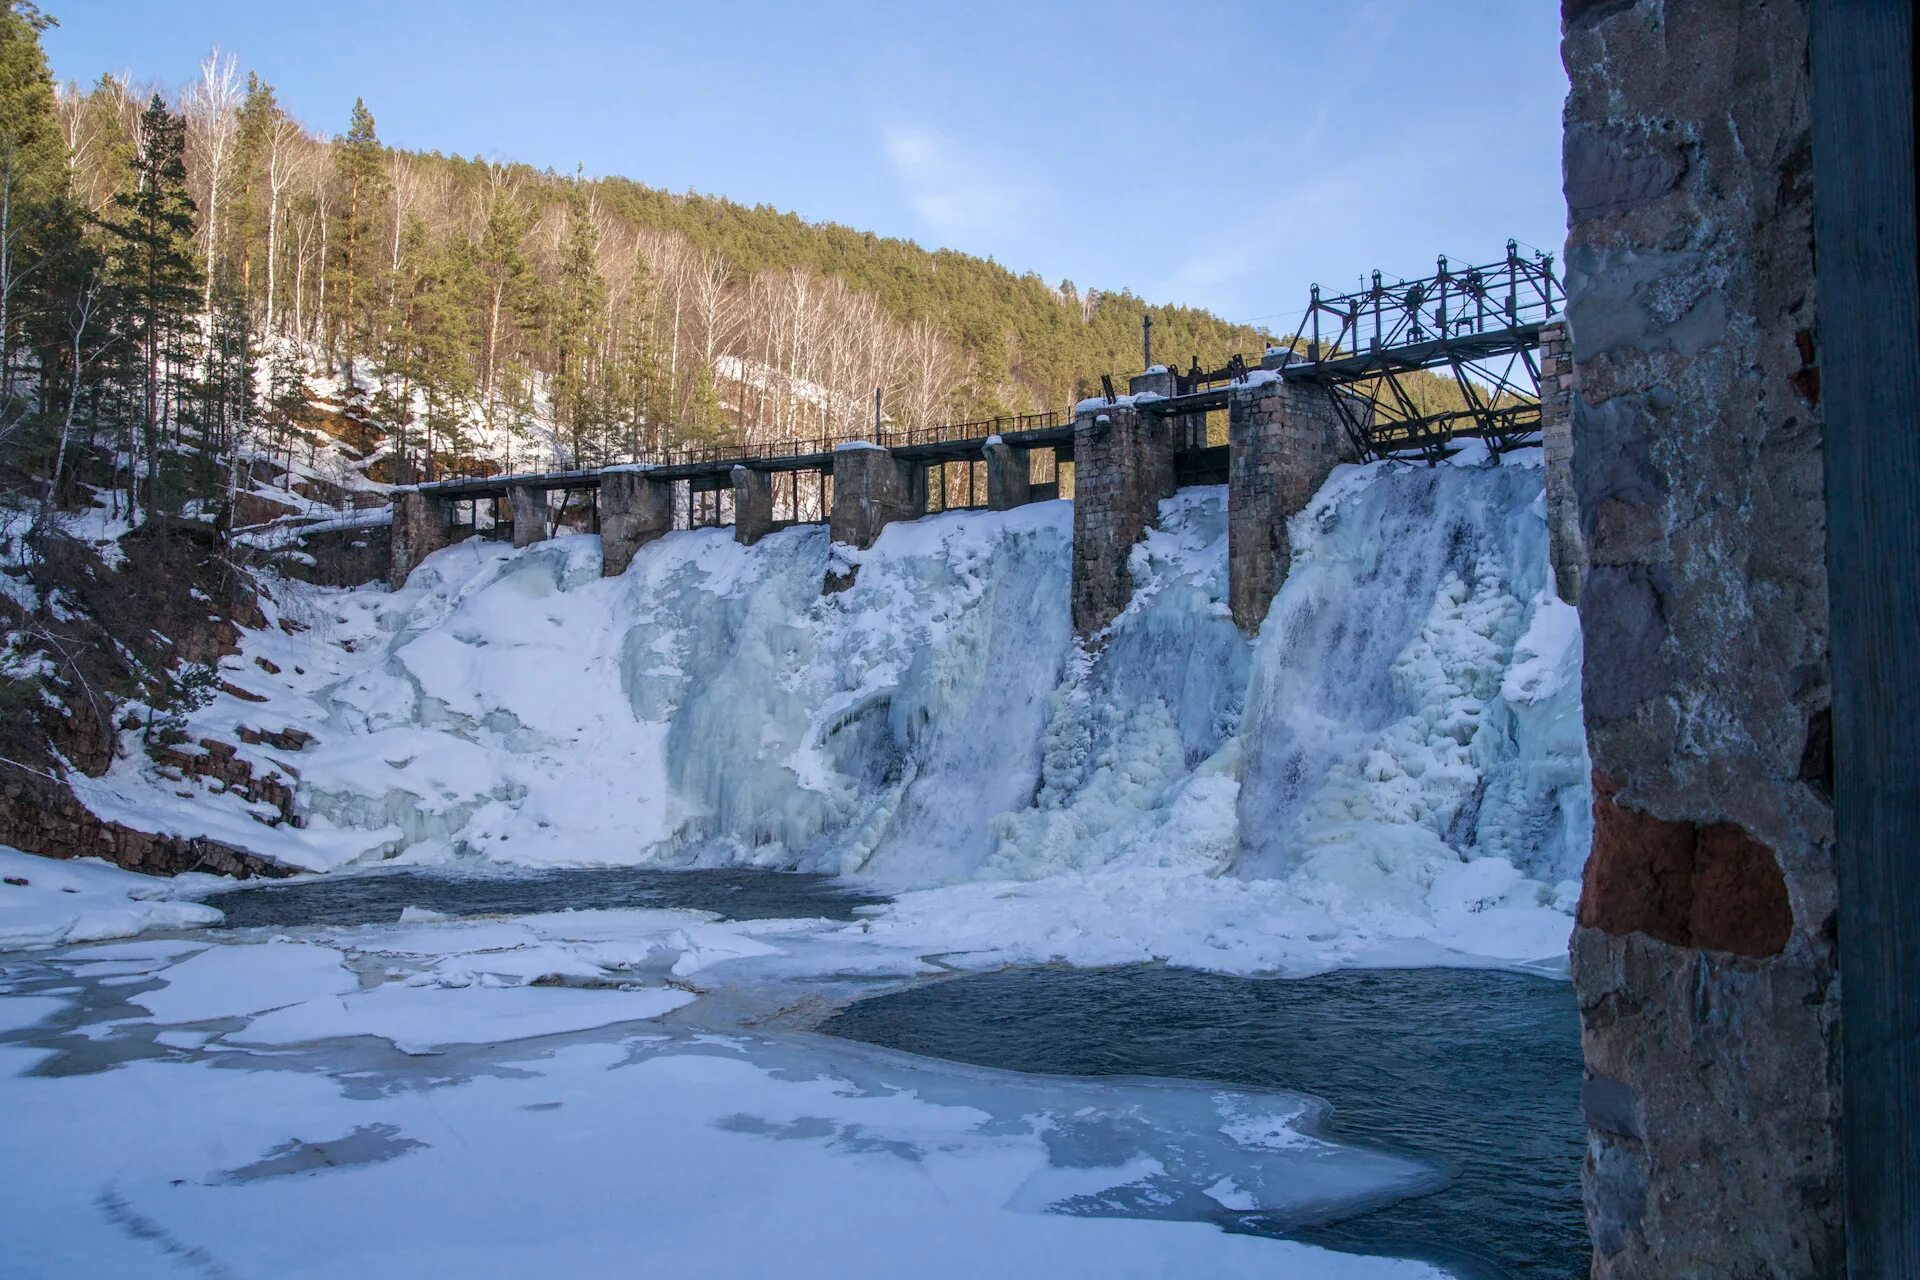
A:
(725, 452)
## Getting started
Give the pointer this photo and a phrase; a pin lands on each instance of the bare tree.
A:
(212, 104)
(284, 157)
(82, 315)
(933, 374)
(403, 186)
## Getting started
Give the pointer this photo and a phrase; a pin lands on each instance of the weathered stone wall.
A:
(871, 489)
(529, 515)
(634, 510)
(1704, 955)
(1009, 477)
(752, 505)
(1567, 555)
(1122, 468)
(420, 528)
(1282, 440)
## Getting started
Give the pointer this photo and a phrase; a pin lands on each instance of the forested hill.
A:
(1036, 344)
(476, 305)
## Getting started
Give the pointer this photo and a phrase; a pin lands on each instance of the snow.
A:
(83, 900)
(572, 1131)
(419, 1019)
(234, 981)
(19, 1012)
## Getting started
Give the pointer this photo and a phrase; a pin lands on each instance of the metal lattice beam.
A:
(1480, 325)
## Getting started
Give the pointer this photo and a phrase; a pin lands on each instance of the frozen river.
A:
(414, 1071)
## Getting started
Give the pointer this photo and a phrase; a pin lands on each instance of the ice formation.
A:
(1395, 758)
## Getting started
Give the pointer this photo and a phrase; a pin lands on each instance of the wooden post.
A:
(1862, 82)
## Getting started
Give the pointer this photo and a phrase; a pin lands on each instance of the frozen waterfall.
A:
(1403, 731)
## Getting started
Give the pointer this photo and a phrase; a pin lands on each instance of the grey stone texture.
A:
(634, 510)
(421, 526)
(1008, 482)
(872, 489)
(1122, 468)
(1282, 440)
(1704, 957)
(752, 505)
(1183, 431)
(1567, 554)
(529, 515)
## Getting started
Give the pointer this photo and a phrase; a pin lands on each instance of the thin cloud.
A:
(959, 192)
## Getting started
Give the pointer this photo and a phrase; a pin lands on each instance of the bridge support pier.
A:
(1008, 484)
(1565, 551)
(1122, 467)
(422, 524)
(872, 489)
(1282, 441)
(752, 505)
(634, 510)
(529, 514)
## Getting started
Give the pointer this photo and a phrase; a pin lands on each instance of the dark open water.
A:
(379, 897)
(1476, 1071)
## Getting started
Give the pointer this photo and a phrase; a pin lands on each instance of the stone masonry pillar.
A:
(1183, 431)
(1704, 958)
(1565, 552)
(634, 510)
(421, 526)
(871, 489)
(1119, 457)
(752, 505)
(1283, 438)
(529, 514)
(1008, 474)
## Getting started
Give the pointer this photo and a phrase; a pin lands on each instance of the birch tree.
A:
(211, 107)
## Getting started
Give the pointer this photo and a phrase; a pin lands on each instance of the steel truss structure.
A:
(1482, 324)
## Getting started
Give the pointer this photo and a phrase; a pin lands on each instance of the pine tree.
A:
(579, 303)
(504, 273)
(257, 117)
(360, 175)
(156, 282)
(33, 181)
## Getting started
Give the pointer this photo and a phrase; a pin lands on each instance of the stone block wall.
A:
(529, 515)
(1009, 482)
(421, 526)
(1122, 467)
(1704, 956)
(752, 505)
(1282, 441)
(1565, 550)
(634, 510)
(871, 489)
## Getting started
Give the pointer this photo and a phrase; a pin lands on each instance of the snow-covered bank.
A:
(1393, 767)
(44, 901)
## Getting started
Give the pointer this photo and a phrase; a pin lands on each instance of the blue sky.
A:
(1221, 154)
